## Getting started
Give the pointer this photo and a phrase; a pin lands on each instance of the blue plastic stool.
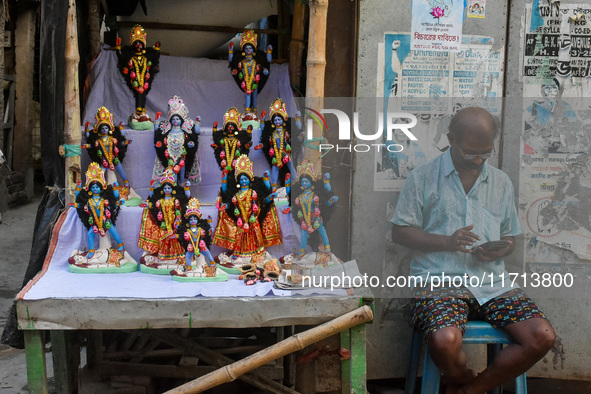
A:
(477, 332)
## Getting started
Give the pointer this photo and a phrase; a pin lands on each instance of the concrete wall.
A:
(389, 336)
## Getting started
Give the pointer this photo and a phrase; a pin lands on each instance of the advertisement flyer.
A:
(432, 86)
(557, 42)
(437, 25)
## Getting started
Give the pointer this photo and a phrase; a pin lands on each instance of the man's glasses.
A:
(483, 156)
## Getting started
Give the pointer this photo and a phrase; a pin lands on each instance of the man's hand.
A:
(492, 255)
(463, 237)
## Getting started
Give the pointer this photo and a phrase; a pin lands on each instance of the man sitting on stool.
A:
(447, 208)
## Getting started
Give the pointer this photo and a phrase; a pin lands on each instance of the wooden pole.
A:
(283, 27)
(2, 79)
(72, 133)
(24, 119)
(296, 46)
(94, 27)
(316, 66)
(287, 346)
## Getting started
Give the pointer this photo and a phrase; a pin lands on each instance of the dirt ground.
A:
(16, 232)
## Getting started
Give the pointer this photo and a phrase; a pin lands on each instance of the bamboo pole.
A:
(316, 66)
(72, 133)
(287, 346)
(296, 46)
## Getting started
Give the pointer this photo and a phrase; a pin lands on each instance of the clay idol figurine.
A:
(158, 231)
(176, 141)
(195, 237)
(139, 66)
(314, 205)
(232, 141)
(250, 69)
(276, 145)
(247, 220)
(107, 146)
(98, 207)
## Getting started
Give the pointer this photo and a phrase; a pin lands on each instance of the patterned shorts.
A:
(453, 307)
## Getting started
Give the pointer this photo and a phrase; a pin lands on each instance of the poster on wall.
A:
(437, 25)
(551, 216)
(555, 175)
(476, 9)
(432, 86)
(557, 44)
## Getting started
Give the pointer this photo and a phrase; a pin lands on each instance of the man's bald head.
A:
(476, 121)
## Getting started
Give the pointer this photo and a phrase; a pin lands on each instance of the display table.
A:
(59, 301)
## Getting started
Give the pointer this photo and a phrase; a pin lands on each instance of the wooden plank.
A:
(153, 344)
(94, 27)
(141, 342)
(170, 371)
(296, 46)
(283, 25)
(35, 356)
(137, 355)
(3, 198)
(89, 313)
(280, 337)
(185, 27)
(60, 353)
(290, 362)
(9, 119)
(358, 359)
(129, 340)
(22, 158)
(144, 353)
(65, 360)
(132, 355)
(2, 103)
(346, 364)
(94, 348)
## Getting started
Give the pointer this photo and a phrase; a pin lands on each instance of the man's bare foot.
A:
(453, 389)
(455, 386)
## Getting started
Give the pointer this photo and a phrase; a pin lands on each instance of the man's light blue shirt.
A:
(433, 200)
